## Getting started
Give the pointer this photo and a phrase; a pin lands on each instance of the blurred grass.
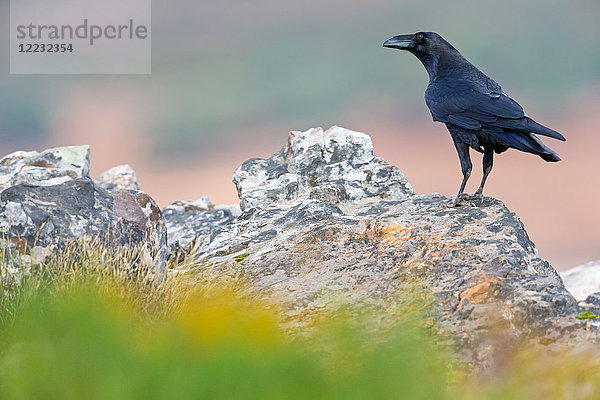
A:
(93, 329)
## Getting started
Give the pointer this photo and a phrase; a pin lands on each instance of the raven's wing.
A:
(470, 106)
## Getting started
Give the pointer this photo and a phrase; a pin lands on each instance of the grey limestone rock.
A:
(324, 219)
(120, 177)
(591, 303)
(192, 224)
(47, 201)
(50, 167)
(330, 167)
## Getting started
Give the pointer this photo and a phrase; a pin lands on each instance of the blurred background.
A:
(231, 78)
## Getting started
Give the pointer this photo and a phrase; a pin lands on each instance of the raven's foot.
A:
(464, 199)
(477, 196)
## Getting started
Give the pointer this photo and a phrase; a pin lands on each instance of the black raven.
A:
(475, 109)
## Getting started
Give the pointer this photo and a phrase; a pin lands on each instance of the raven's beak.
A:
(402, 42)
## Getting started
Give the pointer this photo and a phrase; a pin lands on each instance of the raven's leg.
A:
(465, 164)
(488, 163)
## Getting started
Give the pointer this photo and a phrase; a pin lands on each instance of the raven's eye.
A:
(420, 36)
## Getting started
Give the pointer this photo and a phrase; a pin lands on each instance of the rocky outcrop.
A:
(50, 167)
(193, 224)
(322, 222)
(47, 200)
(583, 281)
(121, 177)
(329, 168)
(326, 220)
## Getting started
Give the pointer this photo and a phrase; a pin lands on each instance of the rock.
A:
(325, 221)
(591, 303)
(37, 221)
(583, 280)
(195, 223)
(330, 167)
(48, 201)
(50, 167)
(121, 177)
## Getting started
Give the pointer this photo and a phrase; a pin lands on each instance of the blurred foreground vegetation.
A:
(90, 326)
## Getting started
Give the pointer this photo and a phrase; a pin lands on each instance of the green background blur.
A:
(221, 65)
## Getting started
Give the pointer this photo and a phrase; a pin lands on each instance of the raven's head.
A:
(429, 47)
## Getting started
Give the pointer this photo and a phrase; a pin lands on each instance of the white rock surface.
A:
(121, 177)
(583, 280)
(47, 168)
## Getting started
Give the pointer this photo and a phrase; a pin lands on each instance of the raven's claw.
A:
(477, 196)
(466, 200)
(462, 199)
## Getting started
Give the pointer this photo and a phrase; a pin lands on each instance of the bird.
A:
(477, 112)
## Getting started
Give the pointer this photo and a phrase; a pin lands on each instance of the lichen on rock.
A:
(49, 167)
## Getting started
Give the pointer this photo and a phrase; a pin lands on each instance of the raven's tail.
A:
(550, 157)
(530, 143)
(528, 125)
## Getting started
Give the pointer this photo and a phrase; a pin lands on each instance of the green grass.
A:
(91, 326)
(587, 315)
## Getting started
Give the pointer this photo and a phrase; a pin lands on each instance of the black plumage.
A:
(475, 109)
